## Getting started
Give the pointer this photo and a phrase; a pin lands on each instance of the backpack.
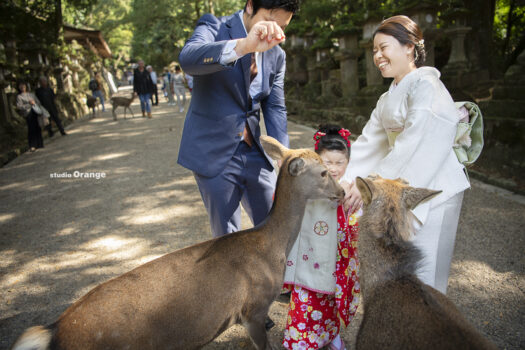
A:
(93, 85)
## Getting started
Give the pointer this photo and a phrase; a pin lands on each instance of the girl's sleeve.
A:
(426, 141)
(368, 150)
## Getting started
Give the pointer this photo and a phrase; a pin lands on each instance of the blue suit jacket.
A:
(220, 105)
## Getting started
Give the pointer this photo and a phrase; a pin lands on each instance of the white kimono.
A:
(410, 135)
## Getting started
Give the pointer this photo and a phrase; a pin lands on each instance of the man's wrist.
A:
(240, 48)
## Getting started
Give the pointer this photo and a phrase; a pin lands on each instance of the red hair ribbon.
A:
(317, 138)
(344, 134)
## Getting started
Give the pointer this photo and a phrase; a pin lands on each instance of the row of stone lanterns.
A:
(308, 66)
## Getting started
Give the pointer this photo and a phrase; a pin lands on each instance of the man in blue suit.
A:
(238, 71)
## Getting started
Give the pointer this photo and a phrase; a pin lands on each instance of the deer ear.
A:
(364, 186)
(273, 147)
(296, 166)
(412, 197)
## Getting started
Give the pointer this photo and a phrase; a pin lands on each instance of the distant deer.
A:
(400, 312)
(125, 102)
(92, 103)
(185, 299)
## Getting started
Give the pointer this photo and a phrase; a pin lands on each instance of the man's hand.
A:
(262, 37)
(352, 198)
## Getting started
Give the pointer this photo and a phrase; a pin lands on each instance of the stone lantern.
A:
(425, 17)
(297, 61)
(311, 60)
(347, 56)
(373, 76)
(323, 66)
(457, 32)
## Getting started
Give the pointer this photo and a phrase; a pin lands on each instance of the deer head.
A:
(306, 168)
(387, 204)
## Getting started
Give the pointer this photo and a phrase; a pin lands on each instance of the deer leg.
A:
(257, 331)
(130, 111)
(114, 113)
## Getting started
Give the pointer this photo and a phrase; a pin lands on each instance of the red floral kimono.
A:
(314, 319)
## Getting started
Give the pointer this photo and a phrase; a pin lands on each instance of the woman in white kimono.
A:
(410, 135)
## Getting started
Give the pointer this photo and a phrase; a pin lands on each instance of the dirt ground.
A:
(62, 236)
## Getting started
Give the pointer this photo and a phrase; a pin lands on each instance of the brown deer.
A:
(183, 300)
(117, 101)
(92, 103)
(400, 312)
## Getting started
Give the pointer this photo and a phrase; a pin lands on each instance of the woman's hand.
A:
(352, 200)
(32, 102)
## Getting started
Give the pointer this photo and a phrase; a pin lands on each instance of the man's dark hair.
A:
(287, 5)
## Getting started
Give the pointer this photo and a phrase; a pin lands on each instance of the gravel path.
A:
(60, 237)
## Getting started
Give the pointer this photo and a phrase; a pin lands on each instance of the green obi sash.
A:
(466, 151)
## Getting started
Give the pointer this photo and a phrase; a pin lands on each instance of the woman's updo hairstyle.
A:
(331, 137)
(406, 31)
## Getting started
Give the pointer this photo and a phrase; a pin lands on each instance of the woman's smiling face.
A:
(393, 59)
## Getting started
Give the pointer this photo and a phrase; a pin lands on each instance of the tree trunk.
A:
(481, 19)
(508, 34)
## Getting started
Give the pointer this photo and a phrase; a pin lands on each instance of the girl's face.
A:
(336, 162)
(393, 59)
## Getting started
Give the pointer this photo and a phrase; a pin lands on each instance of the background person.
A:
(25, 101)
(97, 90)
(154, 91)
(47, 97)
(142, 86)
(178, 88)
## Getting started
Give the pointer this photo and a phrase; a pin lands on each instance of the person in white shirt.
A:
(410, 135)
(178, 88)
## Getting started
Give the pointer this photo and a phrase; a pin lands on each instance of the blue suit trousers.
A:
(247, 179)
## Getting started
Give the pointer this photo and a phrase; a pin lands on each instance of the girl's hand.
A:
(352, 200)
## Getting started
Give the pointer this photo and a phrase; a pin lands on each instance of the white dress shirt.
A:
(229, 55)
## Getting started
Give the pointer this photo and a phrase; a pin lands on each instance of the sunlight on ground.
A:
(6, 217)
(13, 186)
(110, 243)
(110, 156)
(87, 203)
(146, 219)
(66, 232)
(7, 258)
(478, 277)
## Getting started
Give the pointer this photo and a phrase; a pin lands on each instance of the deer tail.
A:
(35, 338)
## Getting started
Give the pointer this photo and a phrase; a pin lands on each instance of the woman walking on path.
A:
(179, 89)
(410, 135)
(25, 101)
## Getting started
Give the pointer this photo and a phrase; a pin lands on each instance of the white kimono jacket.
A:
(410, 135)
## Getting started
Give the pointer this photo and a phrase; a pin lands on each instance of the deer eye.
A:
(324, 173)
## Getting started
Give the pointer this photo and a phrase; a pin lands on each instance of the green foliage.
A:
(507, 36)
(162, 27)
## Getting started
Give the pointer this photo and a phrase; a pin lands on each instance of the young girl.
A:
(322, 267)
